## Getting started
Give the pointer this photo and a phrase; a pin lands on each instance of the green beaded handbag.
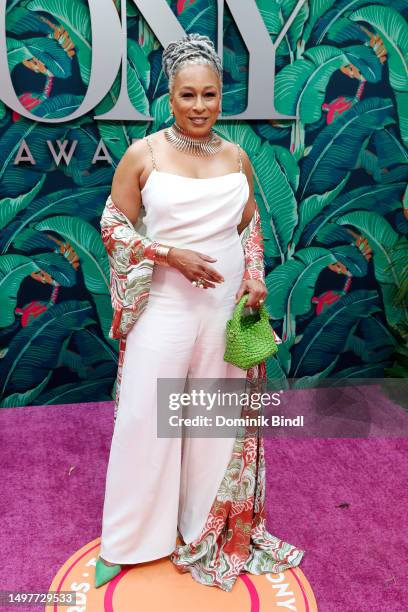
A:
(250, 338)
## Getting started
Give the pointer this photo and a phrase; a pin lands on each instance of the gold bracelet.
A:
(161, 252)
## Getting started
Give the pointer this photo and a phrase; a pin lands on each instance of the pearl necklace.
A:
(200, 146)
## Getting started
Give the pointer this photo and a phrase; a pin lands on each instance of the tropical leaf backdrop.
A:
(330, 186)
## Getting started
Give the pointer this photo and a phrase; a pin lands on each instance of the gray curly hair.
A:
(191, 49)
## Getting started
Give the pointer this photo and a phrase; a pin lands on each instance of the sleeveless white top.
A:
(189, 212)
(201, 214)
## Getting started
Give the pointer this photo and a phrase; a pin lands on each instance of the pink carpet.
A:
(342, 500)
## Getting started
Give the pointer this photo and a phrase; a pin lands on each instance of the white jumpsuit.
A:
(158, 486)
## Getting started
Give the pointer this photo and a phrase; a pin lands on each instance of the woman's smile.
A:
(198, 120)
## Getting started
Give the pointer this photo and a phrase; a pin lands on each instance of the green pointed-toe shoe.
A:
(104, 573)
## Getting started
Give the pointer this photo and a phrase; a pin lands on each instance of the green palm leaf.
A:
(88, 244)
(337, 146)
(375, 198)
(291, 286)
(390, 151)
(296, 29)
(234, 98)
(59, 106)
(277, 378)
(47, 50)
(235, 64)
(343, 8)
(74, 16)
(276, 174)
(276, 14)
(284, 357)
(10, 207)
(138, 63)
(307, 382)
(77, 203)
(13, 270)
(326, 335)
(93, 349)
(312, 206)
(74, 393)
(371, 370)
(365, 59)
(161, 112)
(388, 261)
(57, 266)
(377, 340)
(316, 10)
(35, 349)
(300, 87)
(199, 16)
(26, 398)
(382, 239)
(103, 305)
(241, 133)
(394, 32)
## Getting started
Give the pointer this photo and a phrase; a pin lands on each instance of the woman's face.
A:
(196, 95)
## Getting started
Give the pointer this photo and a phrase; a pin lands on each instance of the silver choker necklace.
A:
(200, 146)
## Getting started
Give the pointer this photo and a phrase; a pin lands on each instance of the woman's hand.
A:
(193, 265)
(257, 292)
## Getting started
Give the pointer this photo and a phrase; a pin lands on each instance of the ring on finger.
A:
(198, 283)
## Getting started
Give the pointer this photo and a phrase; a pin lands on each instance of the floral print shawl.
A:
(234, 538)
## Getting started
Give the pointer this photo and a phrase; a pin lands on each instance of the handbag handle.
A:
(237, 314)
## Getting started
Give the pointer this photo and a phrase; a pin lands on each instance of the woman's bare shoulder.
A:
(135, 152)
(231, 147)
(159, 135)
(138, 150)
(136, 157)
(246, 164)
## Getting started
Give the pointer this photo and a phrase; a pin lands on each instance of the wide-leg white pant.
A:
(155, 486)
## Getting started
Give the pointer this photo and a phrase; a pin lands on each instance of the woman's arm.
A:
(126, 196)
(125, 191)
(254, 253)
(251, 204)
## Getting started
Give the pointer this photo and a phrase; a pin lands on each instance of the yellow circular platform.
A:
(157, 586)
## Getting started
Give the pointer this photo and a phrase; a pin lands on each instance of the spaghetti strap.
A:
(240, 157)
(151, 152)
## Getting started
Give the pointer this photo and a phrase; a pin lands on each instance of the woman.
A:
(197, 191)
